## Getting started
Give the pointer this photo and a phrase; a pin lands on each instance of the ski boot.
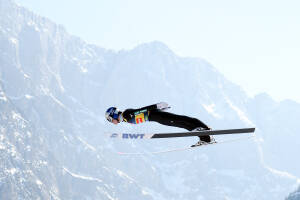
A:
(199, 143)
(204, 140)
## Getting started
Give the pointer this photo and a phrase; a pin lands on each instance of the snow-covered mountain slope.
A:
(55, 88)
(280, 132)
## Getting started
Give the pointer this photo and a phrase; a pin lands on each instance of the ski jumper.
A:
(151, 113)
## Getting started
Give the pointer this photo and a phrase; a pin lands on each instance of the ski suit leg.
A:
(181, 121)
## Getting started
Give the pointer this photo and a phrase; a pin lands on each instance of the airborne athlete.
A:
(156, 113)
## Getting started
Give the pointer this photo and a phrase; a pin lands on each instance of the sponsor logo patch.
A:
(132, 136)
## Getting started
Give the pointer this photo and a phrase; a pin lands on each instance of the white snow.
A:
(47, 92)
(38, 182)
(106, 193)
(2, 147)
(57, 101)
(32, 23)
(211, 110)
(154, 194)
(29, 134)
(58, 79)
(124, 175)
(26, 75)
(3, 98)
(144, 192)
(13, 40)
(27, 96)
(239, 112)
(11, 171)
(28, 148)
(83, 69)
(17, 134)
(17, 116)
(88, 178)
(283, 174)
(13, 151)
(87, 145)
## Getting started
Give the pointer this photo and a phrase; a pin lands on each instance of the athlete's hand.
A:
(162, 106)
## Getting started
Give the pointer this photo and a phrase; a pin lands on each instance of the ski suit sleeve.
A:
(149, 108)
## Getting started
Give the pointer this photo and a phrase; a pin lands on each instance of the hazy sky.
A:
(254, 43)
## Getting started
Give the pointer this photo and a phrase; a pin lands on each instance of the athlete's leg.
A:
(180, 121)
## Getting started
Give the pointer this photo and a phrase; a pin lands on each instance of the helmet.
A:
(112, 113)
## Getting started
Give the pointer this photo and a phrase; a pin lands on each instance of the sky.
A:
(254, 43)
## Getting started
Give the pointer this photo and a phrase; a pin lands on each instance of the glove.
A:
(162, 106)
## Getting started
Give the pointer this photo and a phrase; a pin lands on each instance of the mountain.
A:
(55, 88)
(294, 196)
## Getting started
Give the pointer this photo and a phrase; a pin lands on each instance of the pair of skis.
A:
(138, 136)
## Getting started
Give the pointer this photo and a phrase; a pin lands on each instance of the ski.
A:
(184, 148)
(180, 134)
